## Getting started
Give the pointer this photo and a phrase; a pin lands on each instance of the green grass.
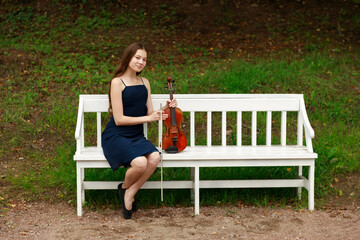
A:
(51, 60)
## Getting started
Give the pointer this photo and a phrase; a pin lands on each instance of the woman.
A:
(123, 139)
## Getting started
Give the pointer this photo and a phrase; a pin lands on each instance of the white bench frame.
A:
(196, 157)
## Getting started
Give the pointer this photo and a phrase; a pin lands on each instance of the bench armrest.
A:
(79, 119)
(308, 129)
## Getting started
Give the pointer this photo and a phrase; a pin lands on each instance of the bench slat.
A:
(272, 104)
(244, 152)
(184, 184)
(219, 153)
(239, 128)
(223, 128)
(208, 128)
(300, 128)
(253, 128)
(205, 105)
(192, 128)
(283, 128)
(92, 185)
(98, 129)
(268, 128)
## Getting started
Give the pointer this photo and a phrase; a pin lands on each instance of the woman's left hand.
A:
(171, 103)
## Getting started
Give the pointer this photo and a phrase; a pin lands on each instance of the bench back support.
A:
(210, 103)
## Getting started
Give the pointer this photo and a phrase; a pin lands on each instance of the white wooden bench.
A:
(197, 156)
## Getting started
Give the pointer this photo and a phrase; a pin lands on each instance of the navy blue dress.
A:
(121, 144)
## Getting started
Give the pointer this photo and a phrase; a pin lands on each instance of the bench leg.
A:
(300, 173)
(197, 190)
(192, 190)
(79, 190)
(82, 189)
(311, 186)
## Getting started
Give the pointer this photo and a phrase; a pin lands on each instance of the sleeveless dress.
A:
(122, 144)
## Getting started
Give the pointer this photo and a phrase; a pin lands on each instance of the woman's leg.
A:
(136, 170)
(143, 169)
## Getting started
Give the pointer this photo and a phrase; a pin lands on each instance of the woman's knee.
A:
(153, 159)
(139, 163)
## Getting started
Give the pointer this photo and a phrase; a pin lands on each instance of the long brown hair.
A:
(129, 53)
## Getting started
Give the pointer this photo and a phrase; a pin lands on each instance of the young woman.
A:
(123, 139)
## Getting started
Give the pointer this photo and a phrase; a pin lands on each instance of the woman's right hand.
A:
(156, 116)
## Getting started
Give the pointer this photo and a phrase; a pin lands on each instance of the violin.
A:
(173, 140)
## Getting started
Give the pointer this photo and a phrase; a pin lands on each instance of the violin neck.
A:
(173, 117)
(171, 94)
(172, 110)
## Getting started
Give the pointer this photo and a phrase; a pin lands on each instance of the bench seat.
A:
(217, 153)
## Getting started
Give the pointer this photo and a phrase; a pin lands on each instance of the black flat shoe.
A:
(121, 193)
(127, 213)
(120, 187)
(134, 206)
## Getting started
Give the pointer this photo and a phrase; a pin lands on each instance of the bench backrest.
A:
(210, 103)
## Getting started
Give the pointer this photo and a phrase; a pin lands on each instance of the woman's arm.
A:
(149, 103)
(169, 103)
(117, 107)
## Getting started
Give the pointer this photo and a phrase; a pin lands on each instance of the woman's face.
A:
(138, 61)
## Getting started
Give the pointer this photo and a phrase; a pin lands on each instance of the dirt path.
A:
(59, 221)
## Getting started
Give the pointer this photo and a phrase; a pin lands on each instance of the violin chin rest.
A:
(172, 149)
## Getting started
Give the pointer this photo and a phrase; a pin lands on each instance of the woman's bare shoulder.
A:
(117, 83)
(116, 80)
(146, 81)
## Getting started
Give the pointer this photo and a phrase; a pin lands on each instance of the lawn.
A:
(54, 51)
